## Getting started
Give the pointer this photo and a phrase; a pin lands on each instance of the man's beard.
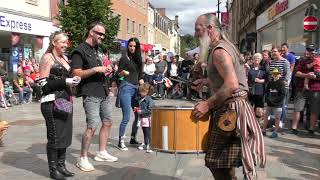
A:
(205, 42)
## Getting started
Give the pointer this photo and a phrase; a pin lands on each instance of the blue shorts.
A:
(97, 109)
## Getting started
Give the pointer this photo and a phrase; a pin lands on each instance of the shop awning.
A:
(146, 47)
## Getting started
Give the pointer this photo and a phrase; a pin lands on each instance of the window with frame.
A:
(128, 25)
(140, 29)
(133, 26)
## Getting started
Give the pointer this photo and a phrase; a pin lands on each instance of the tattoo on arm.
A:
(224, 64)
(45, 66)
(83, 73)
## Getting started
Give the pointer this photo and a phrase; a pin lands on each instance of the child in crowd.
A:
(113, 89)
(8, 92)
(275, 93)
(144, 111)
(158, 84)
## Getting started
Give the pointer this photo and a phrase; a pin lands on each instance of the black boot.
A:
(61, 163)
(52, 161)
(134, 141)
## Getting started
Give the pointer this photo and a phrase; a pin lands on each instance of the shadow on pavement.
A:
(130, 173)
(295, 158)
(30, 161)
(291, 141)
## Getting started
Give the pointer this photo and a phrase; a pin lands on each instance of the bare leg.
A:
(313, 120)
(295, 120)
(86, 141)
(277, 124)
(104, 135)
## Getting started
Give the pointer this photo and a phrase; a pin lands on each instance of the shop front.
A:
(283, 22)
(21, 38)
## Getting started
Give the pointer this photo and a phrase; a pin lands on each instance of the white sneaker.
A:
(122, 146)
(84, 165)
(105, 156)
(141, 147)
(149, 149)
(281, 124)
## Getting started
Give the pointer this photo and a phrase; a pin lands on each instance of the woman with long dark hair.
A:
(56, 103)
(130, 67)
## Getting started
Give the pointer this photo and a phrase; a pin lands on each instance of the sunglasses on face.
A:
(99, 33)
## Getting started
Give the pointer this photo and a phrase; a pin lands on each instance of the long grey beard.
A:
(204, 48)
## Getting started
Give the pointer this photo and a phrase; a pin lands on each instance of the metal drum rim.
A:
(174, 107)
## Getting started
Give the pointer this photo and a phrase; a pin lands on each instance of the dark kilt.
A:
(224, 149)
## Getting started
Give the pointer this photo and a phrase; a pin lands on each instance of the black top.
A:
(252, 75)
(87, 57)
(186, 65)
(135, 72)
(275, 93)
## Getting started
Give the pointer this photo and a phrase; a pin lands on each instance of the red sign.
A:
(310, 23)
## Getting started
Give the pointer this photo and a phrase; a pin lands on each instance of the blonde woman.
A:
(56, 90)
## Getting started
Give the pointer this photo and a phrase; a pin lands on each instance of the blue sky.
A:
(187, 10)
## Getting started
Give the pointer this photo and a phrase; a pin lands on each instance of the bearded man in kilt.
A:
(235, 138)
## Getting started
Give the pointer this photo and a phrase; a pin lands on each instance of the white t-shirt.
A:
(174, 70)
(149, 69)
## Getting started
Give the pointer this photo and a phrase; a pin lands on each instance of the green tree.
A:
(188, 42)
(77, 15)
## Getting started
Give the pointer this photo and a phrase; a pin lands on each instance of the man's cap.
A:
(275, 71)
(310, 47)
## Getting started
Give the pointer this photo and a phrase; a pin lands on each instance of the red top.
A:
(314, 85)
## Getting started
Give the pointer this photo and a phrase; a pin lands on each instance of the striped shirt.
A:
(284, 67)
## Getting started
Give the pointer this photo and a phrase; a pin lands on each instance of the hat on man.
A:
(275, 71)
(310, 47)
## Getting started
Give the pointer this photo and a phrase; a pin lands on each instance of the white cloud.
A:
(187, 10)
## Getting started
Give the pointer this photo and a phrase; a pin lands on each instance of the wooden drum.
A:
(174, 129)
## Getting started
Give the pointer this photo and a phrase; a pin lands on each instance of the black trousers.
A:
(146, 134)
(223, 173)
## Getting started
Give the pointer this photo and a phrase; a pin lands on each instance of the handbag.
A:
(62, 107)
(228, 120)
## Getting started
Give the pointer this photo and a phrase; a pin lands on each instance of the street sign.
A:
(310, 23)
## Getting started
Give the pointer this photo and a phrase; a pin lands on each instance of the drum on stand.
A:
(174, 129)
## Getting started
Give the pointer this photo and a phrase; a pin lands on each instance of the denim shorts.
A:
(97, 109)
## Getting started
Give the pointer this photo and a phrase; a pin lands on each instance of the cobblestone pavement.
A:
(23, 154)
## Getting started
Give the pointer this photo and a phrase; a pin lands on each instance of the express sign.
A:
(20, 24)
(310, 23)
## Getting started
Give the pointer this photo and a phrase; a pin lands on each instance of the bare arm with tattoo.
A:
(223, 62)
(224, 65)
(89, 72)
(45, 66)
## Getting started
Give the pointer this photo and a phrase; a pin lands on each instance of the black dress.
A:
(59, 128)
